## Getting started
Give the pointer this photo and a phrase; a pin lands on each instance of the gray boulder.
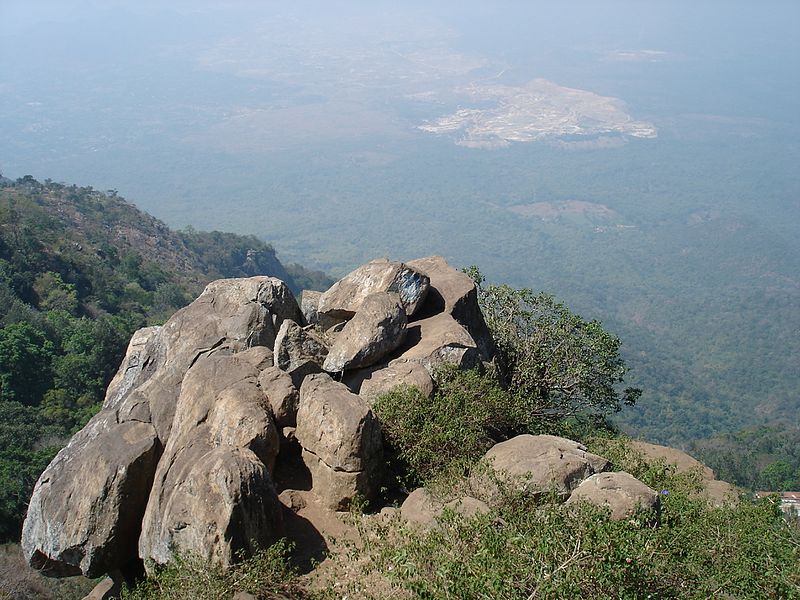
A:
(298, 351)
(341, 441)
(370, 383)
(620, 492)
(345, 297)
(377, 329)
(537, 464)
(86, 509)
(454, 293)
(437, 340)
(212, 495)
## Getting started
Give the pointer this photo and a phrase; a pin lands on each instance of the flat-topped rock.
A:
(373, 382)
(437, 340)
(345, 297)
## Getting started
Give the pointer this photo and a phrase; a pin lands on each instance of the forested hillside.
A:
(80, 271)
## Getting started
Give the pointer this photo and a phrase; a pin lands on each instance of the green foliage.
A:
(556, 363)
(447, 433)
(764, 458)
(267, 575)
(525, 550)
(25, 363)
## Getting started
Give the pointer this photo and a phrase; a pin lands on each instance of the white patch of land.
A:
(539, 110)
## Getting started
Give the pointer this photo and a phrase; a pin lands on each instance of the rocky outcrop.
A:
(341, 441)
(377, 328)
(107, 469)
(437, 340)
(86, 509)
(454, 293)
(620, 492)
(346, 296)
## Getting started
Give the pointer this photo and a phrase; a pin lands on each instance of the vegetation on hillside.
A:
(80, 271)
(765, 458)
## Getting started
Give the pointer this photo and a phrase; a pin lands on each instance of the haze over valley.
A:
(638, 161)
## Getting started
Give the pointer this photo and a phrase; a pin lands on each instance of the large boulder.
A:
(345, 297)
(620, 492)
(377, 329)
(538, 464)
(437, 340)
(341, 441)
(87, 507)
(454, 293)
(212, 495)
(298, 351)
(370, 383)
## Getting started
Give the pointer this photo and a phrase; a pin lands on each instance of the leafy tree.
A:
(560, 364)
(25, 363)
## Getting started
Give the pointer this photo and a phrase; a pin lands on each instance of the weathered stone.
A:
(105, 590)
(298, 351)
(373, 382)
(454, 293)
(538, 464)
(309, 305)
(258, 357)
(717, 492)
(621, 492)
(437, 340)
(682, 462)
(87, 506)
(422, 508)
(345, 297)
(341, 441)
(377, 329)
(213, 495)
(282, 395)
(467, 506)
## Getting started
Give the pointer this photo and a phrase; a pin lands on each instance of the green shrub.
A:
(266, 575)
(447, 433)
(525, 550)
(557, 364)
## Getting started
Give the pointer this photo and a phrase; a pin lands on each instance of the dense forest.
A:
(80, 271)
(763, 458)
